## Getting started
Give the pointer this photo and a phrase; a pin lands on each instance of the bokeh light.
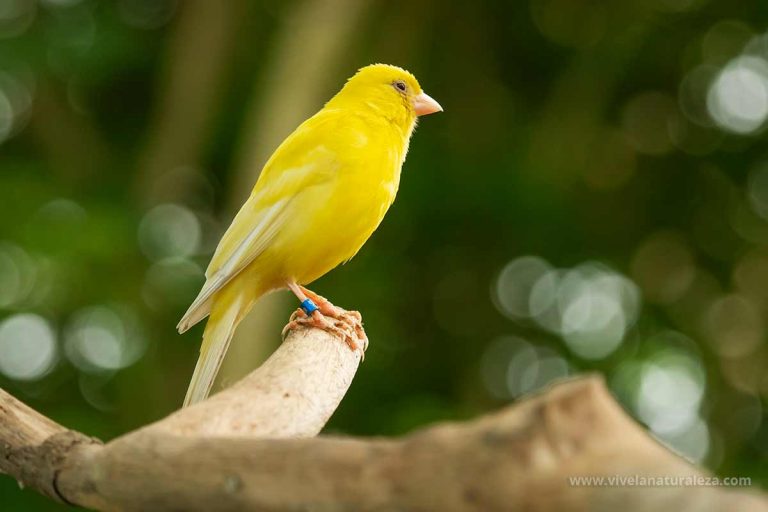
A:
(747, 373)
(692, 96)
(63, 211)
(757, 189)
(515, 284)
(169, 230)
(734, 326)
(512, 366)
(27, 347)
(724, 40)
(16, 16)
(745, 414)
(494, 364)
(597, 307)
(101, 338)
(738, 98)
(663, 267)
(534, 368)
(670, 394)
(590, 306)
(693, 443)
(750, 277)
(15, 102)
(17, 275)
(6, 116)
(171, 282)
(669, 399)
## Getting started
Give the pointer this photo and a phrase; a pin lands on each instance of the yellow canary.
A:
(319, 197)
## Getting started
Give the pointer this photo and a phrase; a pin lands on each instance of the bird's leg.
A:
(317, 311)
(323, 305)
(353, 318)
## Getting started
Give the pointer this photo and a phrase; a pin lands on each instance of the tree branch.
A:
(213, 456)
(33, 448)
(293, 394)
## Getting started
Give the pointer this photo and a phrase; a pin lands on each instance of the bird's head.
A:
(389, 90)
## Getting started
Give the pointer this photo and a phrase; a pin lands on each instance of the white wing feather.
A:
(267, 211)
(268, 224)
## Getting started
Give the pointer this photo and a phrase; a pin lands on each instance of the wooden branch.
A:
(32, 447)
(211, 456)
(293, 394)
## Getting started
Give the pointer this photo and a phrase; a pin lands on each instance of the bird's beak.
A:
(423, 104)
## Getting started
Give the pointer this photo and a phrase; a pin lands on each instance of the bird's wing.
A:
(300, 163)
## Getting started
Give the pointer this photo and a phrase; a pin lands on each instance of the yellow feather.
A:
(318, 199)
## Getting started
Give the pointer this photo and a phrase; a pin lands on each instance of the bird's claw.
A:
(346, 325)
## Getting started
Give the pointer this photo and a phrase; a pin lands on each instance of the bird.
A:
(317, 200)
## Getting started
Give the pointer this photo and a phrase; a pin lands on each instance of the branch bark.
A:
(223, 454)
(293, 394)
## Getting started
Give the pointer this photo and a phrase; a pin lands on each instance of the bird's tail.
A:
(225, 315)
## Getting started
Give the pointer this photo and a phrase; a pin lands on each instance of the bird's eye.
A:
(399, 85)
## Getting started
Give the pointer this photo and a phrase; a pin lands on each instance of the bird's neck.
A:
(398, 115)
(395, 114)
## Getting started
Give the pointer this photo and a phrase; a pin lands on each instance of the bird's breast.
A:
(340, 215)
(353, 207)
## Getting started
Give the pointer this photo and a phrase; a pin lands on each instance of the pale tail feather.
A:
(196, 312)
(218, 334)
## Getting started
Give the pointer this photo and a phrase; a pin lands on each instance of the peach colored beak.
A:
(423, 104)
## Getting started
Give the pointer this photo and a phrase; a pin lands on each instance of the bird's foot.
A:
(347, 325)
(324, 305)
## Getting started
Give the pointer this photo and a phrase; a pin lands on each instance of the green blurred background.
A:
(594, 198)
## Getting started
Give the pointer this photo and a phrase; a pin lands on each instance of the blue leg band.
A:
(308, 306)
